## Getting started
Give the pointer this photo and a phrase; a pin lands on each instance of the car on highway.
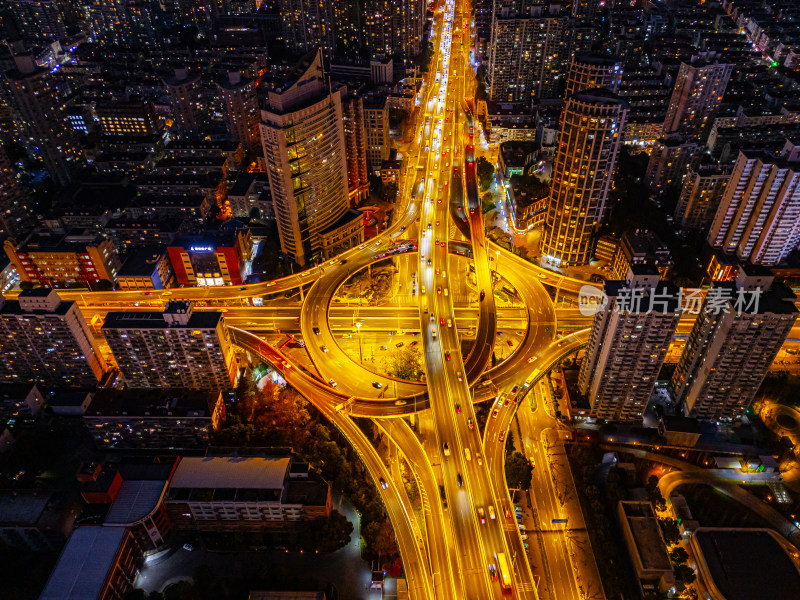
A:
(343, 261)
(377, 384)
(383, 483)
(467, 454)
(502, 436)
(433, 331)
(323, 348)
(524, 536)
(382, 348)
(441, 321)
(243, 288)
(270, 283)
(399, 345)
(495, 412)
(483, 295)
(470, 423)
(188, 547)
(315, 330)
(430, 225)
(429, 262)
(332, 382)
(445, 292)
(510, 343)
(449, 321)
(481, 515)
(379, 242)
(491, 512)
(446, 449)
(439, 291)
(413, 343)
(532, 359)
(459, 376)
(458, 407)
(362, 246)
(460, 480)
(447, 355)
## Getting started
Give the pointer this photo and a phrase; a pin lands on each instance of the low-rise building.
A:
(645, 544)
(146, 268)
(725, 558)
(113, 555)
(641, 247)
(679, 430)
(154, 419)
(234, 493)
(64, 260)
(19, 406)
(34, 519)
(211, 258)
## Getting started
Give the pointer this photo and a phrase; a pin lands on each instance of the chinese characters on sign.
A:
(717, 300)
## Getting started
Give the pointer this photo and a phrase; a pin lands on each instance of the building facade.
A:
(701, 193)
(627, 345)
(239, 101)
(696, 97)
(178, 348)
(669, 160)
(592, 123)
(758, 218)
(739, 331)
(302, 133)
(588, 71)
(47, 340)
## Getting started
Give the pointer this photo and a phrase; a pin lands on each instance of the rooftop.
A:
(22, 507)
(83, 566)
(175, 403)
(737, 562)
(647, 535)
(231, 472)
(136, 500)
(155, 320)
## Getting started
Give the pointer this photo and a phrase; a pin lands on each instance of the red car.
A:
(447, 355)
(502, 436)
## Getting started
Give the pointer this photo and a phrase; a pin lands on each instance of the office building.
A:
(41, 119)
(187, 99)
(740, 329)
(588, 71)
(627, 345)
(239, 101)
(47, 340)
(670, 158)
(701, 193)
(64, 260)
(178, 348)
(696, 97)
(528, 53)
(591, 129)
(302, 132)
(758, 218)
(235, 493)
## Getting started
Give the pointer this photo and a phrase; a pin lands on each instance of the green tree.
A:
(334, 532)
(669, 527)
(518, 471)
(678, 555)
(685, 574)
(654, 494)
(380, 540)
(406, 363)
(485, 172)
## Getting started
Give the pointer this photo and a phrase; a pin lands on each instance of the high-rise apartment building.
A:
(307, 24)
(41, 119)
(356, 139)
(178, 348)
(696, 97)
(528, 53)
(738, 333)
(38, 20)
(701, 194)
(758, 218)
(47, 340)
(188, 103)
(376, 126)
(240, 110)
(669, 161)
(627, 345)
(591, 127)
(302, 133)
(591, 70)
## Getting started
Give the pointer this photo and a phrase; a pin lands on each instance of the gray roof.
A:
(135, 501)
(81, 570)
(230, 472)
